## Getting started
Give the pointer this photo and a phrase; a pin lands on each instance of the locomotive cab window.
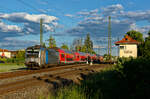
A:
(32, 53)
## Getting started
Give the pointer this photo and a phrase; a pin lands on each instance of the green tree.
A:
(83, 49)
(65, 46)
(44, 45)
(88, 44)
(77, 44)
(136, 35)
(52, 42)
(146, 46)
(20, 55)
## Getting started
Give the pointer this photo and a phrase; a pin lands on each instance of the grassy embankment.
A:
(7, 67)
(129, 79)
(11, 64)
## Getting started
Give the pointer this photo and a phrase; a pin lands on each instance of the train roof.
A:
(65, 51)
(34, 47)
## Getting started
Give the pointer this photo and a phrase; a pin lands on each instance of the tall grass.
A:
(71, 92)
(128, 79)
(96, 86)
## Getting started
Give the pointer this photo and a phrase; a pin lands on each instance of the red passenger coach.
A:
(83, 57)
(65, 56)
(93, 57)
(77, 57)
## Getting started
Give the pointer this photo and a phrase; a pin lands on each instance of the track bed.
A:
(19, 82)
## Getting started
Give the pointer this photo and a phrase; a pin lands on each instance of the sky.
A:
(67, 20)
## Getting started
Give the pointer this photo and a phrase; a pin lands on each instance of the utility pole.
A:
(41, 32)
(109, 36)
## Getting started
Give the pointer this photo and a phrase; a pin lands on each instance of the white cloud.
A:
(137, 15)
(23, 24)
(69, 15)
(6, 28)
(30, 23)
(88, 13)
(13, 43)
(112, 9)
(25, 17)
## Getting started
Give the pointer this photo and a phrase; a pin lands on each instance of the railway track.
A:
(62, 72)
(28, 72)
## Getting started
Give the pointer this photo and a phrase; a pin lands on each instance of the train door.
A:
(62, 57)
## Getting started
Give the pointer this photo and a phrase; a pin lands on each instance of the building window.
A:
(121, 47)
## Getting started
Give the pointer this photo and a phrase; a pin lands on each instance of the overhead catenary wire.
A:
(32, 7)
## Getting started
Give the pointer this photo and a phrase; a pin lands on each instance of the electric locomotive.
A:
(40, 57)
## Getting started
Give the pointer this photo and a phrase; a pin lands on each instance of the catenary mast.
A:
(41, 31)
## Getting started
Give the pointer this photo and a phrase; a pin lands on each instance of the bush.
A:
(12, 60)
(136, 73)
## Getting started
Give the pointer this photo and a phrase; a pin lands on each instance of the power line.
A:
(27, 4)
(5, 8)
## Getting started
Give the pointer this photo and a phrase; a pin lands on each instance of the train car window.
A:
(69, 59)
(62, 55)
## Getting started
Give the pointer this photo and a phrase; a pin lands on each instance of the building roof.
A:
(127, 40)
(4, 50)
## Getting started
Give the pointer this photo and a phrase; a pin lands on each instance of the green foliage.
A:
(128, 79)
(87, 47)
(64, 46)
(20, 58)
(13, 60)
(136, 35)
(44, 45)
(52, 42)
(143, 48)
(20, 55)
(88, 44)
(146, 46)
(109, 58)
(77, 44)
(135, 72)
(7, 67)
(102, 85)
(71, 92)
(83, 49)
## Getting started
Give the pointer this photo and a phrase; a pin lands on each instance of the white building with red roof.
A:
(127, 47)
(5, 53)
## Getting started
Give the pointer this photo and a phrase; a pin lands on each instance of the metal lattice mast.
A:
(109, 34)
(41, 31)
(108, 40)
